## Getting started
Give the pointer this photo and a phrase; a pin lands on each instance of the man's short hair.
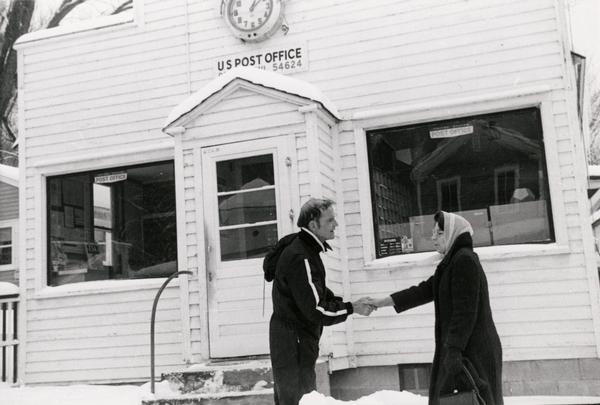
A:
(312, 209)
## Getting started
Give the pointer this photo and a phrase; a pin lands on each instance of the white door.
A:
(246, 209)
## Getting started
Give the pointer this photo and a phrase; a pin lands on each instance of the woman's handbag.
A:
(471, 397)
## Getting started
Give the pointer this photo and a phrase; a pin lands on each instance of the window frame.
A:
(502, 170)
(105, 159)
(96, 171)
(447, 181)
(539, 97)
(13, 224)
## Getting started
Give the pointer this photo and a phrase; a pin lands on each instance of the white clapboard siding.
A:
(328, 163)
(195, 259)
(93, 333)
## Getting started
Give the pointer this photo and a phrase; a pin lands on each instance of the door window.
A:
(247, 207)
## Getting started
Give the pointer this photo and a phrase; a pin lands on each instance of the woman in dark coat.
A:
(464, 329)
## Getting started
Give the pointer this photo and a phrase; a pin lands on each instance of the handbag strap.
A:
(472, 380)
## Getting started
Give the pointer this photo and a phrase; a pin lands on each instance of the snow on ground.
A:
(133, 395)
(81, 394)
(406, 398)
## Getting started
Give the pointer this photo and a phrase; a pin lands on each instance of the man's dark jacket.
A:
(463, 321)
(300, 296)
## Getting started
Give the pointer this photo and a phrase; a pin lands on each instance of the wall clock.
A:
(253, 20)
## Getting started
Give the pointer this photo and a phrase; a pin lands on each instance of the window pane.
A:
(244, 174)
(5, 236)
(5, 255)
(112, 225)
(247, 243)
(247, 208)
(490, 168)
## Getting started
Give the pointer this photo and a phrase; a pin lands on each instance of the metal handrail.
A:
(152, 319)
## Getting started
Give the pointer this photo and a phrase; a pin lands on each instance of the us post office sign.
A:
(281, 60)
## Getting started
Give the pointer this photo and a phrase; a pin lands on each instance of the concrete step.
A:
(231, 382)
(262, 397)
(222, 376)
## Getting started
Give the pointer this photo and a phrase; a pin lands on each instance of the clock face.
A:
(254, 20)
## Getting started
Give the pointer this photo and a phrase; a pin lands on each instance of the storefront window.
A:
(6, 246)
(112, 224)
(490, 168)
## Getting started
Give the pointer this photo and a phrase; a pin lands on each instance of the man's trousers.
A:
(294, 353)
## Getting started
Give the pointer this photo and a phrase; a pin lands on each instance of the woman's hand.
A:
(382, 302)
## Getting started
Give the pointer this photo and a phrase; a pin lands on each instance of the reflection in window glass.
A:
(240, 208)
(491, 169)
(247, 243)
(247, 207)
(5, 246)
(114, 224)
(246, 173)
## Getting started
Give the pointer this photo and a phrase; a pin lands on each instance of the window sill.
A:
(100, 287)
(8, 267)
(487, 253)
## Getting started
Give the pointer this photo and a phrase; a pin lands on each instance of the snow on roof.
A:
(81, 26)
(256, 76)
(8, 288)
(9, 175)
(594, 170)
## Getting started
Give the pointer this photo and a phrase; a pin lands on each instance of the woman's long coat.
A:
(463, 320)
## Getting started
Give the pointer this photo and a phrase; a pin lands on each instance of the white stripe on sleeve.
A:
(314, 290)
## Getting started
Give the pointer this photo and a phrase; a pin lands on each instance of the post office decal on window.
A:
(110, 178)
(451, 132)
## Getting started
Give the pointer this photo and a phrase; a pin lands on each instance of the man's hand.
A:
(363, 306)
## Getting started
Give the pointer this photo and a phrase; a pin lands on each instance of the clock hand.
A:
(254, 4)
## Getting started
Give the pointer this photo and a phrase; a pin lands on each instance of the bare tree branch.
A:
(19, 19)
(65, 8)
(127, 5)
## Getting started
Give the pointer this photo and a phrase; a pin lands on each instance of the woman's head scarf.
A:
(454, 226)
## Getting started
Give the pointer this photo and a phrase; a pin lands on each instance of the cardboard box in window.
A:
(421, 228)
(521, 222)
(480, 224)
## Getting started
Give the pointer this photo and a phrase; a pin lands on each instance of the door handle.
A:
(210, 276)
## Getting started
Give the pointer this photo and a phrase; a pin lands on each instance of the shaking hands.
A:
(365, 305)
